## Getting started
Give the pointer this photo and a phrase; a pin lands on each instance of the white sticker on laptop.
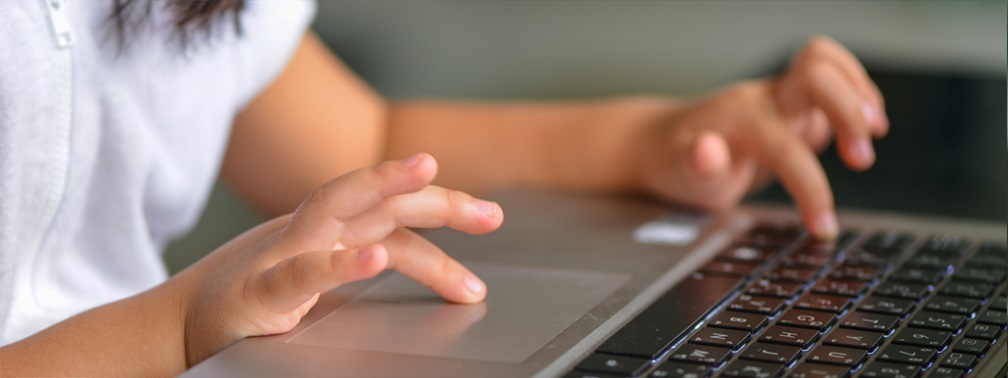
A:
(672, 229)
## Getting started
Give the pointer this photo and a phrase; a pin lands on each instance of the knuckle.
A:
(453, 200)
(297, 272)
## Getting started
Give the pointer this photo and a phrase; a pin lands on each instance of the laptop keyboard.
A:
(886, 304)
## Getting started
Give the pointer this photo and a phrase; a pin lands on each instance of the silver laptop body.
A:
(565, 272)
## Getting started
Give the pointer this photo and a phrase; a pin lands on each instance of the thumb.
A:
(708, 156)
(297, 280)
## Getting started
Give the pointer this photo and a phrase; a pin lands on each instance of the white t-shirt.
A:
(105, 156)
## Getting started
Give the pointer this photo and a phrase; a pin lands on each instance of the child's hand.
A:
(352, 228)
(721, 144)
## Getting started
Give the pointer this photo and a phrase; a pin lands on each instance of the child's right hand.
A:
(352, 228)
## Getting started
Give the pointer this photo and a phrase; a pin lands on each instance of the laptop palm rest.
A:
(526, 307)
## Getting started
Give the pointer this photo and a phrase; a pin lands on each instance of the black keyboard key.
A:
(879, 369)
(757, 304)
(776, 353)
(728, 338)
(920, 276)
(889, 240)
(814, 370)
(995, 317)
(817, 320)
(906, 354)
(739, 320)
(617, 365)
(959, 360)
(701, 354)
(823, 247)
(903, 290)
(931, 261)
(971, 346)
(994, 249)
(957, 288)
(854, 338)
(806, 259)
(850, 288)
(978, 274)
(884, 305)
(1000, 303)
(800, 275)
(750, 368)
(676, 369)
(955, 305)
(667, 320)
(862, 257)
(837, 355)
(938, 320)
(987, 258)
(983, 331)
(991, 261)
(946, 245)
(946, 372)
(799, 337)
(773, 289)
(772, 235)
(859, 273)
(823, 302)
(869, 322)
(923, 337)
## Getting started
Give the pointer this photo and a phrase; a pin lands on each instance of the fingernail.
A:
(871, 116)
(863, 151)
(487, 208)
(473, 284)
(826, 226)
(412, 161)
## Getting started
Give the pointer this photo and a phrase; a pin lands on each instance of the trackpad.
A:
(526, 307)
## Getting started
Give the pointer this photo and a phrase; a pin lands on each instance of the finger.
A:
(296, 280)
(422, 261)
(799, 171)
(431, 207)
(319, 220)
(873, 104)
(838, 100)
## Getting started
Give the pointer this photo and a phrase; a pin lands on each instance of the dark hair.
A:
(192, 18)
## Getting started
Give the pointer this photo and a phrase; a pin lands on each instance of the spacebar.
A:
(669, 318)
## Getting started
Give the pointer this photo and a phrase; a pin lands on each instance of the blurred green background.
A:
(942, 65)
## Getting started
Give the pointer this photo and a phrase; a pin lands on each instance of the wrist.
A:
(645, 152)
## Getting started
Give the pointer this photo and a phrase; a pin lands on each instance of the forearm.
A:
(137, 336)
(585, 146)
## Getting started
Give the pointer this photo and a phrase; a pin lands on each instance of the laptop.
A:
(584, 285)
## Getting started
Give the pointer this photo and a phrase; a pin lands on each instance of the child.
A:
(116, 118)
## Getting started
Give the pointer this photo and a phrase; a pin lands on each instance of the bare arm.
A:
(580, 146)
(138, 336)
(318, 120)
